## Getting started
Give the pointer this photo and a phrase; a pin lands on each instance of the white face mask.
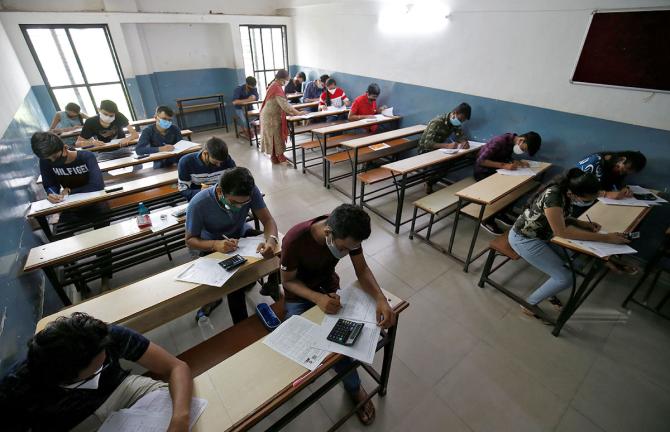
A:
(337, 254)
(518, 150)
(91, 384)
(332, 91)
(106, 118)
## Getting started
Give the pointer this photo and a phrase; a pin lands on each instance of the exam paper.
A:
(388, 112)
(246, 246)
(206, 271)
(44, 204)
(357, 305)
(604, 249)
(516, 172)
(377, 117)
(625, 202)
(363, 349)
(183, 145)
(135, 421)
(115, 141)
(293, 339)
(159, 402)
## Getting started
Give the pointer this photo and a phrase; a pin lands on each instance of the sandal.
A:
(367, 413)
(532, 314)
(622, 268)
(556, 303)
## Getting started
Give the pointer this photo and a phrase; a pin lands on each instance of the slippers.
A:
(367, 413)
(556, 303)
(622, 268)
(532, 314)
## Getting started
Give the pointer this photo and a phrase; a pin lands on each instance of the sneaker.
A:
(491, 227)
(207, 309)
(271, 288)
(505, 220)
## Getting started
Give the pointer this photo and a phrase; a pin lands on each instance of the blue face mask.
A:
(455, 121)
(165, 124)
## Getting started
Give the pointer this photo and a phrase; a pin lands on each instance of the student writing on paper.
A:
(314, 89)
(65, 172)
(246, 92)
(499, 152)
(160, 137)
(611, 168)
(310, 252)
(547, 215)
(216, 218)
(67, 120)
(333, 96)
(439, 130)
(201, 170)
(72, 378)
(365, 106)
(295, 85)
(104, 127)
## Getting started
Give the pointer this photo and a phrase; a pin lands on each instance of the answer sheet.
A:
(44, 204)
(183, 145)
(357, 305)
(388, 112)
(159, 402)
(206, 271)
(517, 172)
(363, 349)
(293, 339)
(602, 250)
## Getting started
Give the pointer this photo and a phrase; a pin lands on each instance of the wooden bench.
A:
(218, 106)
(498, 247)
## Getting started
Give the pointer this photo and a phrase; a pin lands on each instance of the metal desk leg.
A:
(53, 278)
(44, 224)
(291, 129)
(460, 205)
(324, 147)
(474, 238)
(388, 358)
(401, 200)
(246, 118)
(354, 173)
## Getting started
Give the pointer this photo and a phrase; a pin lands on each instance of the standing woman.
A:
(274, 127)
(69, 119)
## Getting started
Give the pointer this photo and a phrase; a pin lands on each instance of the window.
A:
(78, 64)
(265, 51)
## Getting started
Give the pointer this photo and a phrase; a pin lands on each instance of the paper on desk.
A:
(379, 146)
(475, 144)
(293, 339)
(115, 141)
(625, 202)
(159, 402)
(357, 305)
(158, 224)
(120, 171)
(183, 145)
(388, 112)
(135, 421)
(206, 271)
(517, 172)
(363, 349)
(602, 249)
(471, 145)
(44, 204)
(247, 246)
(376, 118)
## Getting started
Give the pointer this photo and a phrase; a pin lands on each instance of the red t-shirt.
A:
(336, 99)
(362, 106)
(313, 261)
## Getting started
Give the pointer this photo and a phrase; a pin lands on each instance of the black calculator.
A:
(345, 332)
(233, 262)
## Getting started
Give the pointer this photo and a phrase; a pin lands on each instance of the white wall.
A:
(520, 51)
(13, 82)
(235, 7)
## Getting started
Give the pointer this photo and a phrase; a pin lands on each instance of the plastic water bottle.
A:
(206, 327)
(143, 218)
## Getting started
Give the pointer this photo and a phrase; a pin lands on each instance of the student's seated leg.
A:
(237, 304)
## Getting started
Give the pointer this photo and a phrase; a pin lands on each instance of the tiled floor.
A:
(465, 358)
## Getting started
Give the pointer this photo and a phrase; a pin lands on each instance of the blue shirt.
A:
(311, 91)
(207, 219)
(595, 164)
(241, 92)
(193, 173)
(81, 175)
(150, 141)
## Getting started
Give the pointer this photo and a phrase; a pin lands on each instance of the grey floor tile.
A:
(574, 421)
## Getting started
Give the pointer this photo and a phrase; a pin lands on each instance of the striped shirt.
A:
(193, 173)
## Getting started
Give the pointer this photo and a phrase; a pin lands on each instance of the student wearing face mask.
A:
(198, 171)
(365, 106)
(72, 379)
(611, 168)
(246, 92)
(295, 85)
(310, 252)
(547, 215)
(216, 219)
(70, 119)
(439, 130)
(160, 137)
(274, 127)
(104, 127)
(313, 89)
(334, 96)
(504, 151)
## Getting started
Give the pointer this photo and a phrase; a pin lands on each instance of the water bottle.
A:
(206, 327)
(143, 218)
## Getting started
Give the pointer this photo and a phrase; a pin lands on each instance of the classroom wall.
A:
(511, 60)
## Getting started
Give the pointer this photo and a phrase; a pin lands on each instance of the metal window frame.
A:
(260, 27)
(85, 84)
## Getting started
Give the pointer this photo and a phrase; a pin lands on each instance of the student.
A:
(611, 168)
(365, 106)
(333, 96)
(498, 153)
(314, 89)
(72, 378)
(439, 130)
(68, 120)
(198, 171)
(545, 216)
(310, 252)
(244, 93)
(295, 85)
(160, 137)
(104, 127)
(216, 219)
(66, 172)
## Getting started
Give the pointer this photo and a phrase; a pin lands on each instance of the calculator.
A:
(233, 262)
(345, 332)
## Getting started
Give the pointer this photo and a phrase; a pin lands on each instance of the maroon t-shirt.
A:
(314, 263)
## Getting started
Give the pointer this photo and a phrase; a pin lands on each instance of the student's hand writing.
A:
(225, 246)
(464, 145)
(266, 249)
(385, 315)
(177, 425)
(616, 238)
(124, 142)
(627, 193)
(590, 226)
(616, 194)
(166, 148)
(510, 166)
(329, 303)
(521, 164)
(55, 198)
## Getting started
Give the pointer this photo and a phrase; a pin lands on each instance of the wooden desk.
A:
(217, 105)
(136, 124)
(245, 107)
(251, 384)
(128, 161)
(292, 120)
(357, 144)
(295, 95)
(412, 171)
(322, 136)
(491, 195)
(186, 133)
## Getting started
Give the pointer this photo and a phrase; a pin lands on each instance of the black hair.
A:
(165, 109)
(251, 81)
(323, 78)
(282, 74)
(374, 89)
(636, 159)
(533, 141)
(109, 106)
(349, 220)
(237, 181)
(302, 76)
(73, 107)
(463, 108)
(217, 148)
(574, 180)
(329, 81)
(45, 144)
(65, 347)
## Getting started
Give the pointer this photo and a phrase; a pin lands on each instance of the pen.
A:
(587, 217)
(51, 191)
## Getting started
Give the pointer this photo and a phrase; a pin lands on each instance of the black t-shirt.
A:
(292, 87)
(93, 128)
(26, 404)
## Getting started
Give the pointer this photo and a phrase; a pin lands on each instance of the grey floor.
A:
(466, 359)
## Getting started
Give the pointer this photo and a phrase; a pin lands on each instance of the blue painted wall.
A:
(566, 137)
(23, 296)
